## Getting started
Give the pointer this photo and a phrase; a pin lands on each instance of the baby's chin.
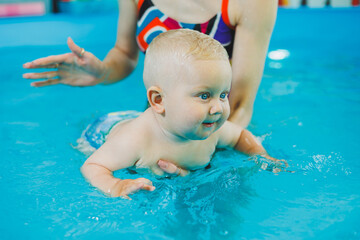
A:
(202, 136)
(195, 136)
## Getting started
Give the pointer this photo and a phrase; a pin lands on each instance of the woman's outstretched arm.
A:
(82, 68)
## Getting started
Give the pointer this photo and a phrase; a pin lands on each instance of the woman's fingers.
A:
(49, 62)
(48, 82)
(43, 75)
(75, 48)
(53, 61)
(167, 166)
(31, 65)
(171, 168)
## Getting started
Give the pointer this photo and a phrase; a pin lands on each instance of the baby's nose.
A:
(216, 108)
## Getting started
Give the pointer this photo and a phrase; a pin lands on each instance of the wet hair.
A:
(175, 48)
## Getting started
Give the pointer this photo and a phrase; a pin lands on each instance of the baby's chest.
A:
(187, 157)
(193, 158)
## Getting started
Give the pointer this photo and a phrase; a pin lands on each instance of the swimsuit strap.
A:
(225, 14)
(140, 3)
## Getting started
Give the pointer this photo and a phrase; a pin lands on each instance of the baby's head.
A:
(187, 76)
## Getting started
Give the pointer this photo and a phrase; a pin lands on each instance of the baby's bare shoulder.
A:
(131, 131)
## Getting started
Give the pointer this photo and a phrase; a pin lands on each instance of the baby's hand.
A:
(276, 161)
(128, 186)
(275, 165)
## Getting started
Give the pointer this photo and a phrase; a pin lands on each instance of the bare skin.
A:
(253, 21)
(185, 123)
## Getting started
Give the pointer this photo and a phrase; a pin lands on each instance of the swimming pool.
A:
(307, 111)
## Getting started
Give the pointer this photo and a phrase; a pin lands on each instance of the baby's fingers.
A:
(283, 161)
(148, 187)
(136, 185)
(145, 184)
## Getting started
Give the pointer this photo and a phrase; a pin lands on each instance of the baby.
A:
(187, 76)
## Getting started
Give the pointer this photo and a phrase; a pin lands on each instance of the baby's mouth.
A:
(208, 124)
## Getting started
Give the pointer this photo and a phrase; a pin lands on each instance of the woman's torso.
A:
(157, 16)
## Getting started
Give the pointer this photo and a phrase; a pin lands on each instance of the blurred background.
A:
(11, 8)
(307, 111)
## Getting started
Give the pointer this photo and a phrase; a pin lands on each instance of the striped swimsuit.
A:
(151, 22)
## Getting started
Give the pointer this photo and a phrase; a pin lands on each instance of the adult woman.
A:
(251, 21)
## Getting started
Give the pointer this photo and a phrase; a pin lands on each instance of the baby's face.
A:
(197, 105)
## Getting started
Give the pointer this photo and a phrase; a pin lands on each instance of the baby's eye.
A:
(205, 96)
(223, 95)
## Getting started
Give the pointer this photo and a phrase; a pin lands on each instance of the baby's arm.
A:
(117, 153)
(234, 136)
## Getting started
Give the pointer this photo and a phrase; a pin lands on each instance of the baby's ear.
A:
(155, 98)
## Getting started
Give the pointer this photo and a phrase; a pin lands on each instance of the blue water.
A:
(307, 111)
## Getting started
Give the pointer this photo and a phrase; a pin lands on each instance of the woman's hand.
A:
(171, 168)
(78, 68)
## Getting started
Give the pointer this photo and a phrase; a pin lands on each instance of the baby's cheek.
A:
(195, 116)
(226, 112)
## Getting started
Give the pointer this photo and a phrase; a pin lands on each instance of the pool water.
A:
(307, 111)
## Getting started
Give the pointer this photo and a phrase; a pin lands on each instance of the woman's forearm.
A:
(118, 65)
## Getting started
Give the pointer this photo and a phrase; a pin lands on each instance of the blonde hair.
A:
(175, 48)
